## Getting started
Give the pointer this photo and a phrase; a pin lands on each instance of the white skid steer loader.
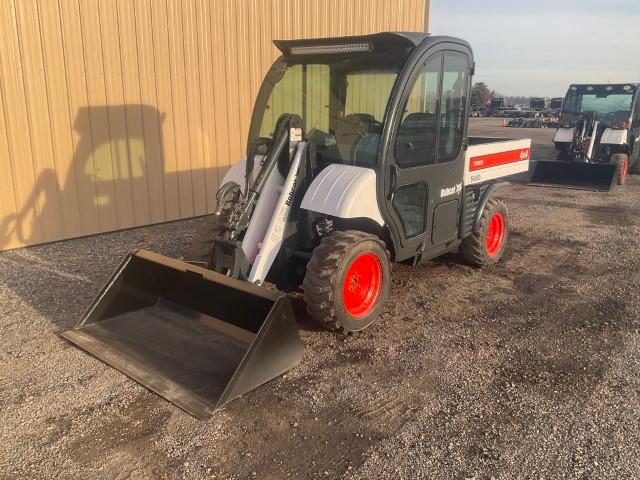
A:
(598, 141)
(358, 156)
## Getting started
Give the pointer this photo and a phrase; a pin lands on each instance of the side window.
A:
(410, 202)
(417, 133)
(453, 104)
(359, 130)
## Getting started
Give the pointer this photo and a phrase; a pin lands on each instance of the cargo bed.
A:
(489, 158)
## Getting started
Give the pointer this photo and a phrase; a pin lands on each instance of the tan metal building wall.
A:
(120, 113)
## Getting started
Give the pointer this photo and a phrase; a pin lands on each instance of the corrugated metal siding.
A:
(119, 113)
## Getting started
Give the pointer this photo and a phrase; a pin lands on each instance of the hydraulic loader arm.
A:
(236, 252)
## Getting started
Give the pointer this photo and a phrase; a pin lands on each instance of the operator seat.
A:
(349, 131)
(417, 138)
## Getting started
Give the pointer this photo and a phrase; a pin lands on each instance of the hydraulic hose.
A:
(281, 141)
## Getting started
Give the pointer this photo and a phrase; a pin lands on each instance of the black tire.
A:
(635, 167)
(622, 160)
(330, 268)
(477, 249)
(202, 242)
(212, 227)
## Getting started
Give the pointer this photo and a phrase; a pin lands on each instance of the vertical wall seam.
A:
(159, 123)
(106, 96)
(66, 84)
(223, 34)
(427, 14)
(189, 153)
(50, 116)
(199, 93)
(235, 36)
(214, 134)
(173, 107)
(89, 133)
(28, 115)
(9, 145)
(202, 110)
(146, 162)
(126, 119)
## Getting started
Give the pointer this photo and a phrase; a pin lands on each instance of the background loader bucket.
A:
(586, 176)
(195, 337)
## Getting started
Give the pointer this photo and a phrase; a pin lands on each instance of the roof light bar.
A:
(339, 48)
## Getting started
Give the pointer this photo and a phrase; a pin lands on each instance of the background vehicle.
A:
(496, 104)
(598, 138)
(556, 103)
(337, 183)
(527, 122)
(538, 104)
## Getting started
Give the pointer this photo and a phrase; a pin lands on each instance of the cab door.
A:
(426, 154)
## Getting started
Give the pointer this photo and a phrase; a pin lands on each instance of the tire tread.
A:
(472, 249)
(322, 269)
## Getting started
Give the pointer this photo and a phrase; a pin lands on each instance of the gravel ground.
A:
(527, 369)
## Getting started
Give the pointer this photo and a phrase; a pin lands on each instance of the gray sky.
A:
(539, 47)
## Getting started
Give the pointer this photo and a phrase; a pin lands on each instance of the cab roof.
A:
(614, 86)
(360, 43)
(375, 41)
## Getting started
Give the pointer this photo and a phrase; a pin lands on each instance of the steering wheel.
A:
(377, 127)
(365, 149)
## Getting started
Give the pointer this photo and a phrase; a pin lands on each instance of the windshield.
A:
(611, 104)
(342, 100)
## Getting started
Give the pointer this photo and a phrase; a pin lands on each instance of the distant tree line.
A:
(481, 95)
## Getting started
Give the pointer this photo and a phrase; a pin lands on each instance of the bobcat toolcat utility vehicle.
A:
(357, 157)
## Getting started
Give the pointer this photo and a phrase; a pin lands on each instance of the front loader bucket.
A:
(194, 336)
(584, 176)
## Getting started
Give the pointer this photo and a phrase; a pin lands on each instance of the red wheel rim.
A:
(623, 170)
(495, 234)
(362, 285)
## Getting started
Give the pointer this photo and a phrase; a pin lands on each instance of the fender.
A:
(486, 195)
(564, 135)
(344, 191)
(613, 136)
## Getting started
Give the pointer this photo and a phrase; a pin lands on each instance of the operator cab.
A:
(340, 91)
(395, 103)
(612, 105)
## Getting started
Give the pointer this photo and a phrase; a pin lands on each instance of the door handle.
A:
(394, 171)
